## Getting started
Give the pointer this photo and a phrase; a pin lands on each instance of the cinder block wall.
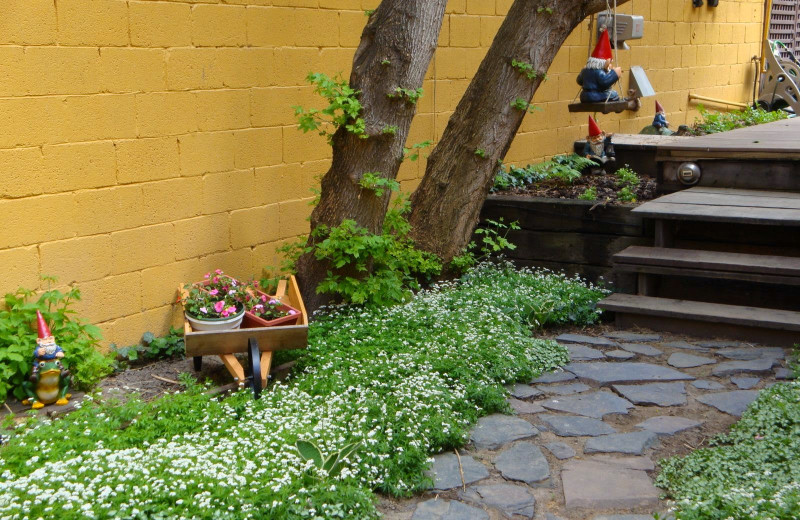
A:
(144, 143)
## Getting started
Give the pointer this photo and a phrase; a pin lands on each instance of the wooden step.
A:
(709, 264)
(768, 326)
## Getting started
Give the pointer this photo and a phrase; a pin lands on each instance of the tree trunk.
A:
(460, 170)
(396, 48)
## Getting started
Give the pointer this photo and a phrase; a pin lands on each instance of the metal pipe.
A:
(697, 97)
(767, 19)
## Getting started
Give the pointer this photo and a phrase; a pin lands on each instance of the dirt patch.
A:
(606, 186)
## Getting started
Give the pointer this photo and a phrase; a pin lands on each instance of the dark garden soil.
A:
(606, 186)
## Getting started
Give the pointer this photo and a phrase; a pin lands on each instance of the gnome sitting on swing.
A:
(597, 78)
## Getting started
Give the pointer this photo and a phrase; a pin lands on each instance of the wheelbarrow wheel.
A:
(254, 354)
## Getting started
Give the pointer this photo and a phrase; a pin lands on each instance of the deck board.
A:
(779, 137)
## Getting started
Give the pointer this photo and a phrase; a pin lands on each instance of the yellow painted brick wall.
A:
(146, 142)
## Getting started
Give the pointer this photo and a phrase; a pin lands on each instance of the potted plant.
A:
(217, 303)
(265, 311)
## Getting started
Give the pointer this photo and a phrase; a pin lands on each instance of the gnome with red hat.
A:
(49, 380)
(660, 124)
(46, 347)
(599, 148)
(597, 77)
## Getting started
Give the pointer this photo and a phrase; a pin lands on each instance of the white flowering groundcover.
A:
(752, 473)
(405, 381)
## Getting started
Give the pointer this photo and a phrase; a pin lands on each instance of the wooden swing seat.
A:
(604, 108)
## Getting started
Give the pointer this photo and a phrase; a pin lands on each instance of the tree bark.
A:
(447, 203)
(396, 48)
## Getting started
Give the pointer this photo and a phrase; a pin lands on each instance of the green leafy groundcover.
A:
(752, 473)
(404, 381)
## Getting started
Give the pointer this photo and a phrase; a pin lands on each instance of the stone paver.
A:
(751, 353)
(668, 424)
(583, 353)
(783, 374)
(509, 499)
(586, 340)
(524, 462)
(637, 462)
(524, 407)
(638, 348)
(733, 403)
(554, 377)
(574, 426)
(496, 430)
(684, 360)
(707, 385)
(625, 372)
(560, 450)
(633, 443)
(720, 343)
(446, 474)
(567, 389)
(632, 336)
(659, 394)
(684, 345)
(745, 383)
(620, 354)
(521, 391)
(596, 404)
(755, 366)
(604, 486)
(437, 509)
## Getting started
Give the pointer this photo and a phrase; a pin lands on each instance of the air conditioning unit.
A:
(629, 27)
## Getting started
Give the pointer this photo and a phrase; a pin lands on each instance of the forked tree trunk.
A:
(461, 168)
(396, 48)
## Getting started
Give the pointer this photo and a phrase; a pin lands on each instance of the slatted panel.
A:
(718, 260)
(269, 339)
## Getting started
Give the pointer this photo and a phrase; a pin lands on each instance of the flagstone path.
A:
(586, 440)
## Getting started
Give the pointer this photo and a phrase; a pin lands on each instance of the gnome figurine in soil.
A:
(49, 381)
(599, 147)
(597, 77)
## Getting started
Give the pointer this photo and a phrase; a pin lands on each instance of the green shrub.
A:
(403, 381)
(751, 473)
(714, 122)
(627, 181)
(153, 348)
(589, 193)
(566, 168)
(493, 236)
(80, 340)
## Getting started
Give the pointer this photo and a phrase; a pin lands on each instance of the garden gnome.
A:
(660, 125)
(597, 77)
(599, 148)
(49, 381)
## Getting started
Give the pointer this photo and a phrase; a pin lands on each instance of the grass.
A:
(404, 382)
(752, 473)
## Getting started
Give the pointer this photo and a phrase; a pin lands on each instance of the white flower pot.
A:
(216, 323)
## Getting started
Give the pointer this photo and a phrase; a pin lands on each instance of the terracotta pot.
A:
(251, 320)
(233, 322)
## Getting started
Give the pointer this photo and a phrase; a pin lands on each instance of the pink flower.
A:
(292, 312)
(219, 306)
(208, 275)
(274, 302)
(263, 298)
(231, 310)
(259, 307)
(218, 271)
(213, 292)
(203, 310)
(224, 313)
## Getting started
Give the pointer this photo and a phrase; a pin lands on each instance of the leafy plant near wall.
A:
(714, 122)
(153, 347)
(79, 339)
(627, 182)
(566, 168)
(589, 193)
(344, 108)
(493, 237)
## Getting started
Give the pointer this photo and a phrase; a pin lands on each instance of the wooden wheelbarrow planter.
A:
(258, 342)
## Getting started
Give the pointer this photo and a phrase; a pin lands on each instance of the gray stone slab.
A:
(583, 353)
(751, 353)
(733, 403)
(783, 374)
(524, 462)
(596, 404)
(574, 426)
(436, 509)
(632, 336)
(521, 391)
(756, 366)
(638, 348)
(446, 474)
(625, 372)
(587, 340)
(668, 424)
(551, 516)
(493, 431)
(633, 443)
(560, 450)
(620, 354)
(659, 394)
(524, 407)
(554, 377)
(637, 462)
(720, 343)
(509, 499)
(707, 385)
(567, 389)
(684, 360)
(745, 383)
(683, 345)
(597, 486)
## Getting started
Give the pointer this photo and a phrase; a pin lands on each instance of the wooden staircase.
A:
(769, 312)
